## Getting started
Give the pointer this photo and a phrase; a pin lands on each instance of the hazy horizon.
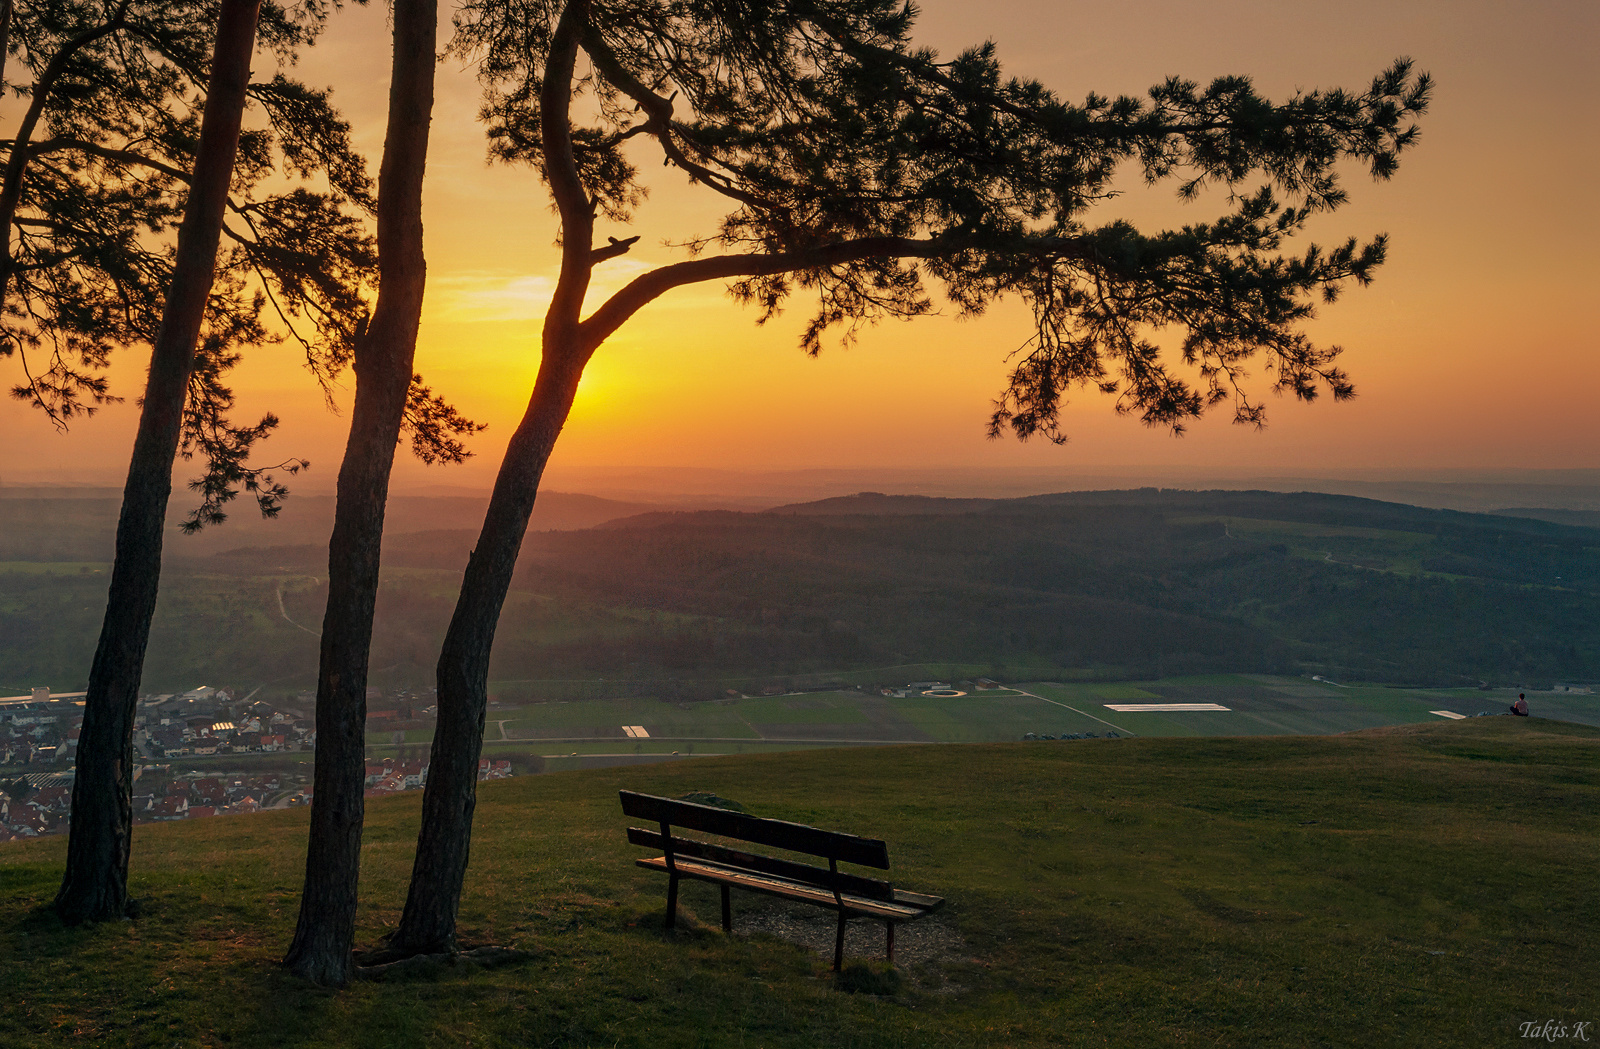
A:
(692, 487)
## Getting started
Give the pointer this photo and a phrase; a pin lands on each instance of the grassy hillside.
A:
(1421, 886)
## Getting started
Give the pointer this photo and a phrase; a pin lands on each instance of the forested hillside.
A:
(1115, 583)
(1147, 581)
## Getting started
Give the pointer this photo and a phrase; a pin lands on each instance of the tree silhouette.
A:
(89, 264)
(96, 173)
(95, 886)
(857, 168)
(389, 397)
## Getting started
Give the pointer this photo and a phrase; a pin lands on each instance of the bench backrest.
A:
(779, 834)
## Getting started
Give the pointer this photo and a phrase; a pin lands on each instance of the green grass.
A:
(651, 746)
(1121, 693)
(585, 717)
(1260, 705)
(1423, 886)
(987, 717)
(812, 708)
(1397, 702)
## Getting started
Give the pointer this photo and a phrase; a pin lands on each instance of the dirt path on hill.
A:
(284, 612)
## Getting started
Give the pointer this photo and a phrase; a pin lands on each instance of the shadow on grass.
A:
(881, 979)
(1350, 890)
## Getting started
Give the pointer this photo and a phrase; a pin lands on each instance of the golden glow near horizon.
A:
(1476, 346)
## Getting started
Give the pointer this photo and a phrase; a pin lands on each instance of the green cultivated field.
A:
(1422, 886)
(1258, 705)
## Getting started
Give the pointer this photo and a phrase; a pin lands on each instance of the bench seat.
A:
(755, 881)
(848, 895)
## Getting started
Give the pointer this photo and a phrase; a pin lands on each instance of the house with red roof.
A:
(171, 807)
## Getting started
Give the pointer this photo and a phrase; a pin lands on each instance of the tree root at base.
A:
(387, 963)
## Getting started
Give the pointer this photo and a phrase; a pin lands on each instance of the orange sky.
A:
(1476, 347)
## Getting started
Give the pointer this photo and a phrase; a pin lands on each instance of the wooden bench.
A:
(850, 895)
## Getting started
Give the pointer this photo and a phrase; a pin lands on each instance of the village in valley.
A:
(269, 743)
(222, 751)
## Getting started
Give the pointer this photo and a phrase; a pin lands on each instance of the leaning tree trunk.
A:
(95, 887)
(428, 924)
(321, 950)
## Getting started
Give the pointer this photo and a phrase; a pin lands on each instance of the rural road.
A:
(1075, 710)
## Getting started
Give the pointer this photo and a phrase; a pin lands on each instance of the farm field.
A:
(1429, 885)
(1257, 705)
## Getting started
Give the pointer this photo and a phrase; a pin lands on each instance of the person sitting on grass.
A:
(1520, 707)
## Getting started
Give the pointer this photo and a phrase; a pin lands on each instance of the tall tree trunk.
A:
(95, 887)
(428, 924)
(323, 939)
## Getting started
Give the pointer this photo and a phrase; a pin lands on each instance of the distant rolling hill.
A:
(1581, 518)
(878, 503)
(1133, 583)
(1309, 506)
(1147, 580)
(43, 524)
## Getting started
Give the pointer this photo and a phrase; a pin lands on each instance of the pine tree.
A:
(142, 123)
(858, 168)
(97, 170)
(389, 398)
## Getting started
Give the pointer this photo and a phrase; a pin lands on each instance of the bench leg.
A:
(838, 945)
(727, 911)
(672, 901)
(890, 926)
